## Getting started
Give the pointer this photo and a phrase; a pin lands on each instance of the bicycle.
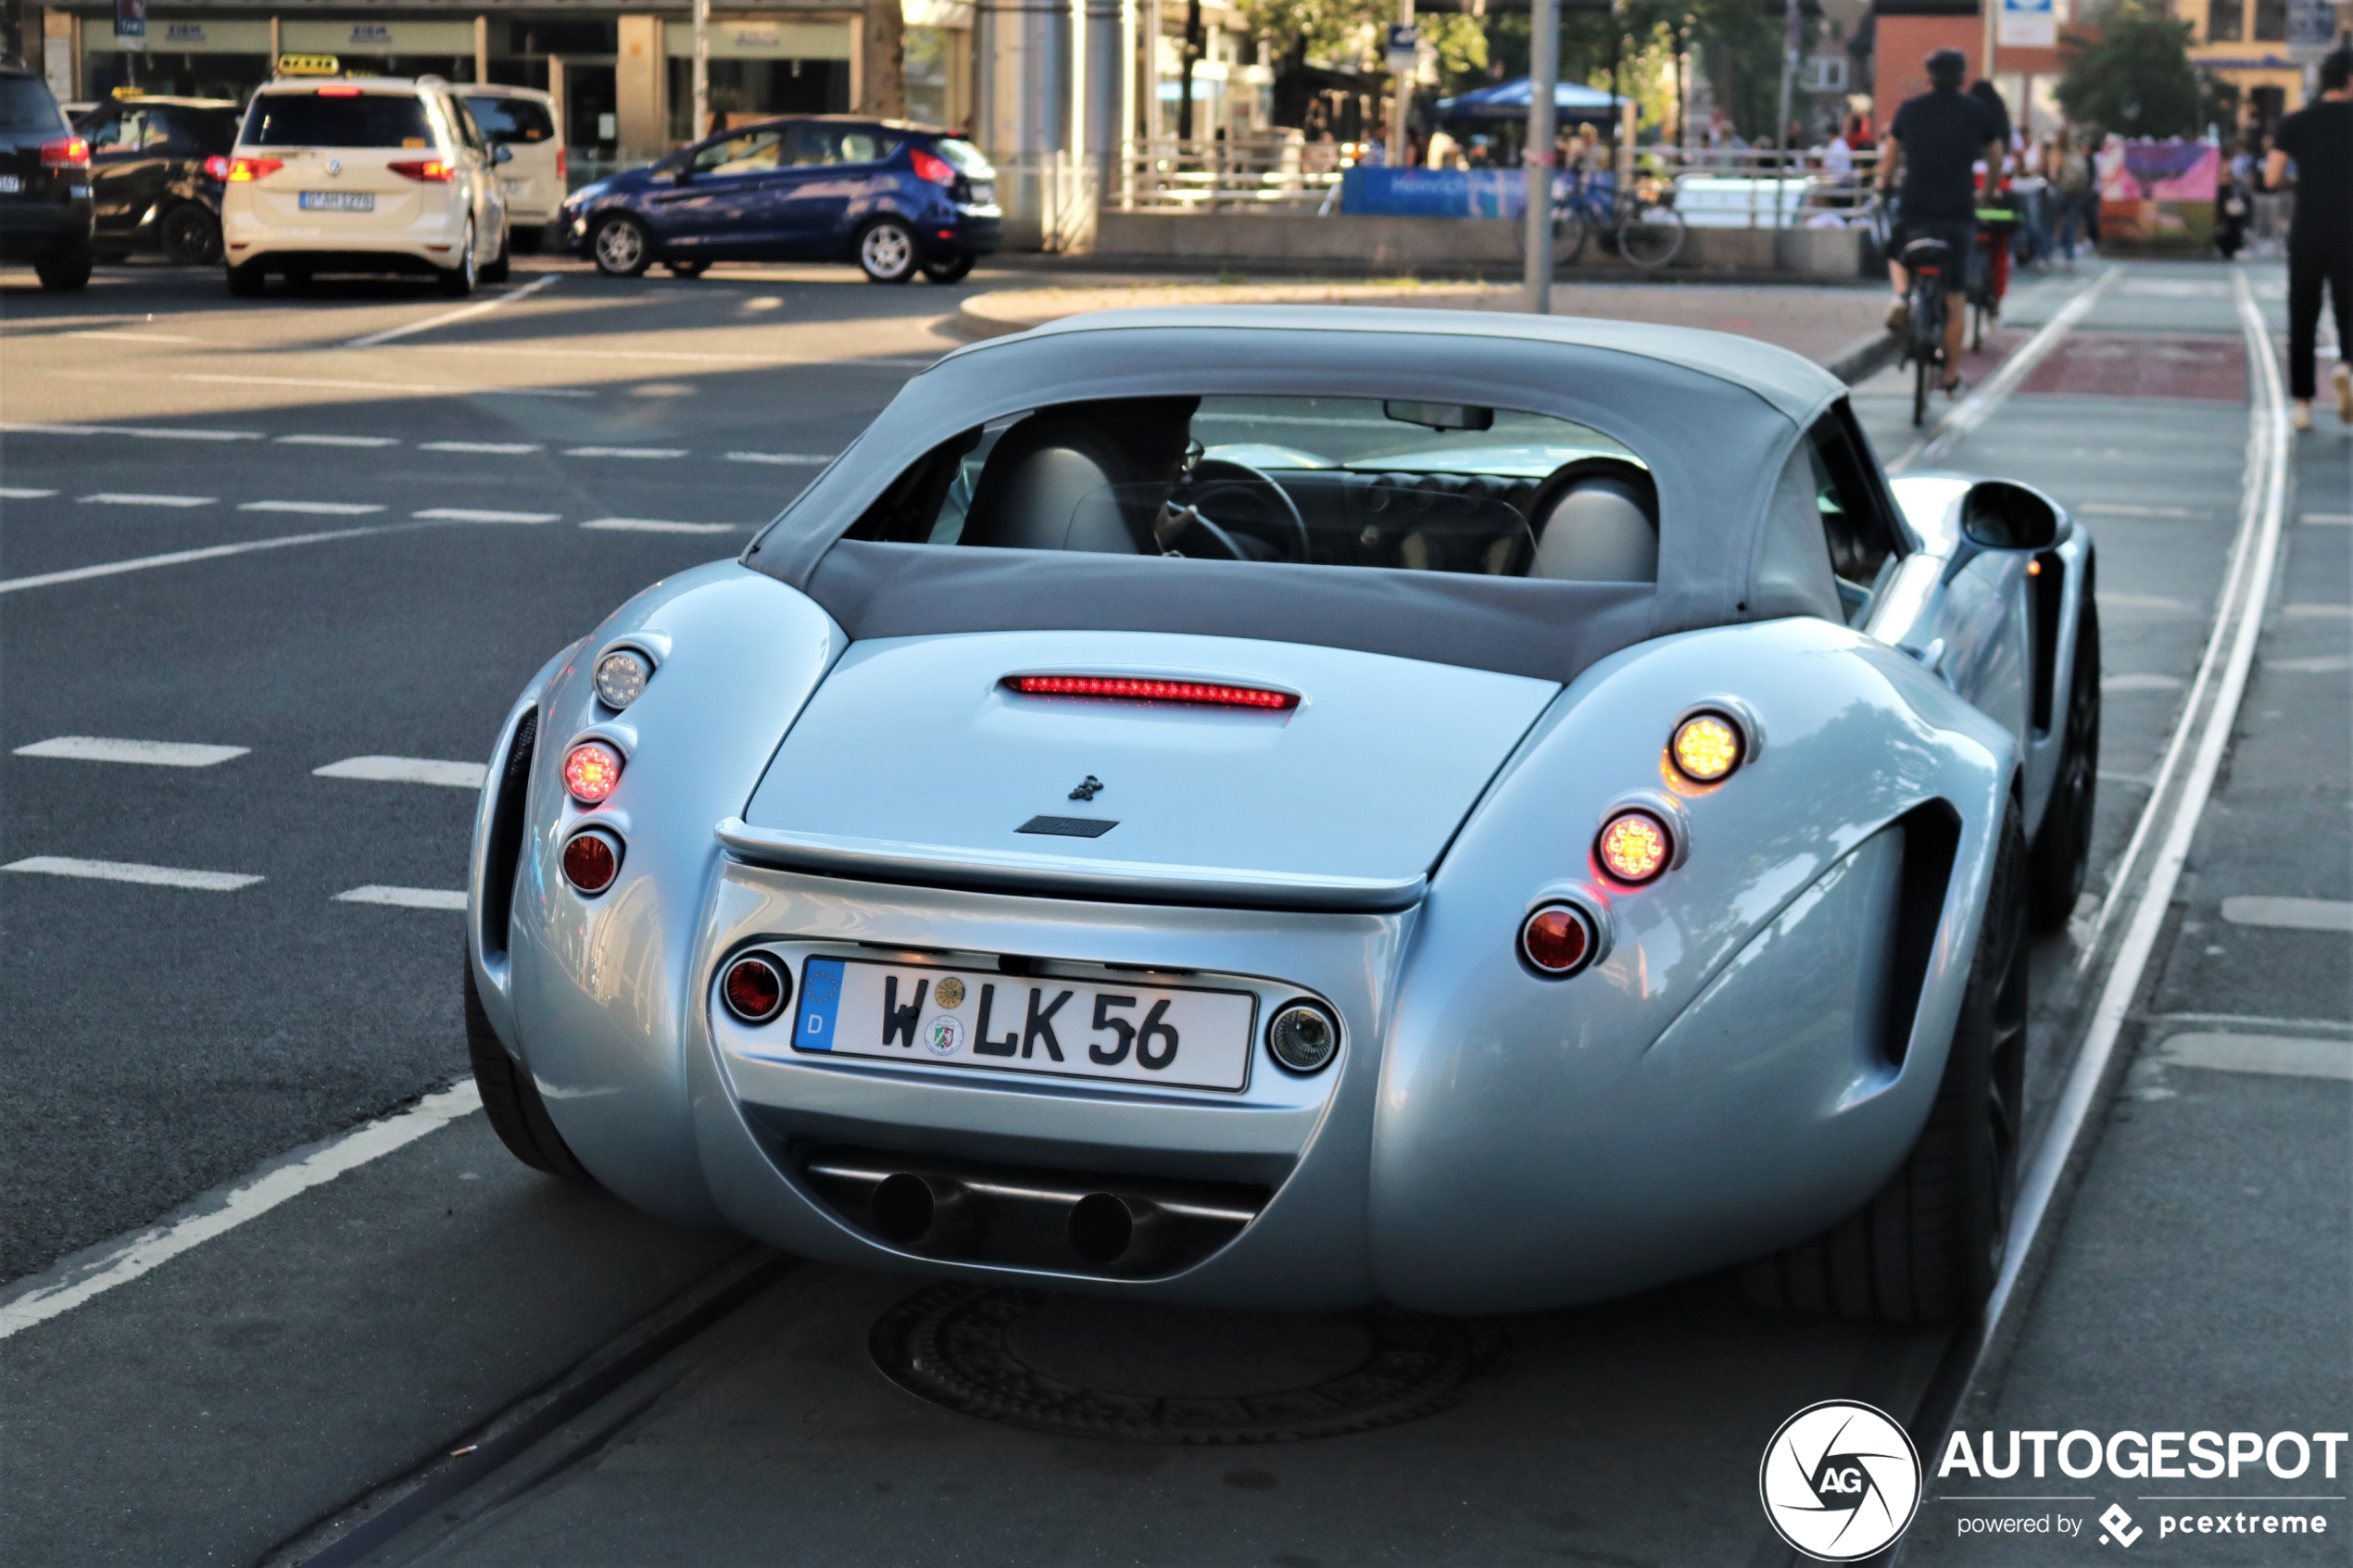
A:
(1925, 261)
(1640, 222)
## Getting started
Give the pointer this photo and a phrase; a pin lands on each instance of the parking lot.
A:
(271, 572)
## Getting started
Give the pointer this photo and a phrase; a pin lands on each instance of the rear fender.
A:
(1728, 1077)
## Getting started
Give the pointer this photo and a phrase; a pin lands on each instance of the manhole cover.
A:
(1141, 1373)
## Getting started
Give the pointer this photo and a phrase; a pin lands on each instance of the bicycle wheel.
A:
(1573, 227)
(1923, 367)
(1651, 235)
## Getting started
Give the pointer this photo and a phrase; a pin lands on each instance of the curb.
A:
(1866, 359)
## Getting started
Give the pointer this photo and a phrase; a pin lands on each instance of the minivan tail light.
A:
(432, 170)
(66, 152)
(564, 165)
(216, 166)
(934, 168)
(244, 171)
(1133, 688)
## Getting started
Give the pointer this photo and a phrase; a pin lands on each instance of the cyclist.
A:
(1935, 140)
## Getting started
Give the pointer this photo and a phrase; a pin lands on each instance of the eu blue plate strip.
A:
(820, 995)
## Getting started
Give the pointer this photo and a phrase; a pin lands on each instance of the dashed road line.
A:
(2331, 520)
(2133, 683)
(406, 770)
(128, 871)
(144, 1253)
(624, 451)
(471, 514)
(787, 460)
(135, 338)
(146, 433)
(492, 448)
(1973, 409)
(17, 493)
(337, 441)
(405, 897)
(2118, 509)
(655, 525)
(181, 558)
(320, 508)
(2317, 611)
(499, 448)
(397, 387)
(2286, 1056)
(148, 753)
(2327, 664)
(2290, 914)
(128, 498)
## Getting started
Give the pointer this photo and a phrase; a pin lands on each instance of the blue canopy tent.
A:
(1509, 101)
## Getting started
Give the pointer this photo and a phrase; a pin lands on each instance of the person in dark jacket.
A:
(2319, 236)
(1935, 140)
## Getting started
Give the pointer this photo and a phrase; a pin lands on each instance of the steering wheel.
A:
(1226, 498)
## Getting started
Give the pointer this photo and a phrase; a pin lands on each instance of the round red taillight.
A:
(591, 862)
(1634, 847)
(1557, 940)
(754, 989)
(592, 773)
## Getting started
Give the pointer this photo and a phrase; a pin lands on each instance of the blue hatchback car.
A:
(895, 198)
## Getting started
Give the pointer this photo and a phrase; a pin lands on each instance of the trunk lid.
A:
(914, 763)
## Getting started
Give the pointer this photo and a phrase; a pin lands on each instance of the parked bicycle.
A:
(1639, 221)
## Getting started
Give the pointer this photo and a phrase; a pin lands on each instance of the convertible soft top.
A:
(1715, 417)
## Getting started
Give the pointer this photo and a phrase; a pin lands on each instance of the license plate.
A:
(1193, 1038)
(338, 201)
(984, 192)
(10, 184)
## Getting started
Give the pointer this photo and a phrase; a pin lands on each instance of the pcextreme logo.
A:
(1840, 1480)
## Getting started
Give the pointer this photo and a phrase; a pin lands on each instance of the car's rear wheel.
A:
(1930, 1246)
(687, 269)
(245, 280)
(498, 270)
(887, 251)
(621, 248)
(2061, 857)
(459, 281)
(511, 1100)
(65, 269)
(954, 269)
(191, 237)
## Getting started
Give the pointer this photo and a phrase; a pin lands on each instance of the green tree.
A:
(2135, 77)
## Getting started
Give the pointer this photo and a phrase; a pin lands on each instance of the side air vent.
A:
(1931, 836)
(506, 834)
(2048, 588)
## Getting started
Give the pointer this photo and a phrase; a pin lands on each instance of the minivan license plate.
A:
(1181, 1036)
(338, 201)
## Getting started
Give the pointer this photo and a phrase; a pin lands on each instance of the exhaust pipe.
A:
(1112, 1232)
(926, 1213)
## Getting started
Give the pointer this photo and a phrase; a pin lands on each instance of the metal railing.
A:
(1752, 188)
(1249, 174)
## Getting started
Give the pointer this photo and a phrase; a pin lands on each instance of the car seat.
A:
(1596, 525)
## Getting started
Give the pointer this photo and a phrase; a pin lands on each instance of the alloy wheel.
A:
(621, 247)
(888, 252)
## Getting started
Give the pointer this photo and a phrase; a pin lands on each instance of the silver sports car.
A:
(1291, 807)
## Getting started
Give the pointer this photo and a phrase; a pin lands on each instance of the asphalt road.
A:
(495, 483)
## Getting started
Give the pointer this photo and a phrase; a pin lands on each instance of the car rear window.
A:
(25, 105)
(314, 119)
(964, 157)
(507, 121)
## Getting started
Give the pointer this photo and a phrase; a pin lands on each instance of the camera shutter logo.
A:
(1840, 1481)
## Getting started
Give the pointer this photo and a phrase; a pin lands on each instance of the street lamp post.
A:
(1543, 71)
(703, 70)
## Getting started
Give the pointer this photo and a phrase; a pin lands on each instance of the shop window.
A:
(2225, 21)
(2270, 21)
(743, 91)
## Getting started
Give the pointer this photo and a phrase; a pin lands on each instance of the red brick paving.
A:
(2138, 365)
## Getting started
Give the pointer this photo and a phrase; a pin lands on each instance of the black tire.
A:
(955, 270)
(1928, 1247)
(1651, 235)
(2061, 857)
(528, 238)
(622, 247)
(500, 264)
(458, 282)
(64, 270)
(191, 237)
(687, 269)
(246, 282)
(1922, 368)
(887, 251)
(511, 1100)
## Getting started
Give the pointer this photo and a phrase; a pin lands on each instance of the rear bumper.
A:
(31, 229)
(388, 257)
(979, 232)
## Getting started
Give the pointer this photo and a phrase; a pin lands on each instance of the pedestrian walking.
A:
(1933, 142)
(2320, 234)
(2070, 173)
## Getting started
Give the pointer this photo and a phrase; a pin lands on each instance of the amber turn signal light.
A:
(592, 773)
(1634, 847)
(1706, 748)
(1557, 941)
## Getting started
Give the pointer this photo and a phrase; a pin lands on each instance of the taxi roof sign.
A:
(308, 64)
(120, 94)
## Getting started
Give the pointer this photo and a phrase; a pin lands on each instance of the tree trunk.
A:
(1192, 58)
(881, 85)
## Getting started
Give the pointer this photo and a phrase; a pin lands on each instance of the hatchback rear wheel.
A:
(459, 281)
(954, 269)
(887, 251)
(621, 248)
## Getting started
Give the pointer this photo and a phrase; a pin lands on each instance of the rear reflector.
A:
(754, 989)
(591, 860)
(1557, 940)
(1131, 688)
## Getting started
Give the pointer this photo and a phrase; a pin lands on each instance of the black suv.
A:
(150, 188)
(45, 182)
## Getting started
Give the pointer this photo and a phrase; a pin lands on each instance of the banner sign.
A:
(130, 24)
(2311, 29)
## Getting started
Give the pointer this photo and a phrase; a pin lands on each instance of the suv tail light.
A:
(66, 152)
(563, 167)
(934, 168)
(216, 168)
(244, 171)
(432, 170)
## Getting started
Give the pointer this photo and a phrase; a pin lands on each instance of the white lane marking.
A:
(503, 448)
(2328, 664)
(140, 431)
(17, 493)
(320, 508)
(2317, 612)
(2238, 627)
(405, 897)
(467, 314)
(2118, 509)
(390, 386)
(135, 338)
(338, 440)
(2142, 601)
(146, 1252)
(2284, 1055)
(2325, 1026)
(469, 514)
(126, 498)
(153, 753)
(788, 459)
(1974, 408)
(2140, 682)
(180, 557)
(2290, 914)
(624, 451)
(654, 525)
(131, 871)
(406, 770)
(2335, 520)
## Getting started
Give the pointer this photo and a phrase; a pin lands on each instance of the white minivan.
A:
(522, 120)
(362, 174)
